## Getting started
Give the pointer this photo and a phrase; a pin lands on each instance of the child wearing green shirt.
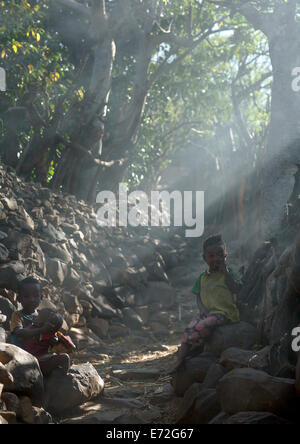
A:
(214, 290)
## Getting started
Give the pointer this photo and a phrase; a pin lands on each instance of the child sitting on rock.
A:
(214, 290)
(29, 296)
(51, 348)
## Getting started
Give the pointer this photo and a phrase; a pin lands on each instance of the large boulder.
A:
(241, 335)
(199, 406)
(213, 376)
(255, 418)
(80, 385)
(236, 358)
(244, 390)
(25, 370)
(191, 371)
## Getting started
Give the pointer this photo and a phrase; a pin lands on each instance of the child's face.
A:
(46, 318)
(30, 297)
(215, 256)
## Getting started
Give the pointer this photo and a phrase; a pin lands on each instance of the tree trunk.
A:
(283, 153)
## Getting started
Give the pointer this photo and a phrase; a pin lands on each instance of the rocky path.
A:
(137, 387)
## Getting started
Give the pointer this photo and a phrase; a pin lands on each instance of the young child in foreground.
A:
(36, 331)
(215, 291)
(51, 348)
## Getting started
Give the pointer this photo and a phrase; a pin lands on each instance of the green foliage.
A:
(186, 103)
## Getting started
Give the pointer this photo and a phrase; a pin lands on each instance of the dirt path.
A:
(137, 388)
(136, 384)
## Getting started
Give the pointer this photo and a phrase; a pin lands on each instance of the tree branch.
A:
(259, 20)
(76, 7)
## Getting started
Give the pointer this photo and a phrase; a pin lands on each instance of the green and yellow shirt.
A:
(215, 296)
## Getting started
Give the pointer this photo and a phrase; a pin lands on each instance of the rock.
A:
(126, 296)
(244, 390)
(157, 272)
(9, 417)
(10, 273)
(117, 330)
(84, 338)
(241, 335)
(129, 403)
(132, 319)
(158, 328)
(7, 308)
(12, 402)
(72, 304)
(162, 395)
(54, 234)
(143, 312)
(26, 410)
(80, 385)
(55, 252)
(101, 306)
(219, 419)
(17, 241)
(4, 254)
(137, 374)
(69, 229)
(29, 224)
(6, 378)
(213, 376)
(134, 277)
(2, 335)
(2, 235)
(236, 358)
(56, 270)
(255, 418)
(72, 279)
(199, 406)
(157, 292)
(25, 370)
(193, 370)
(116, 416)
(99, 326)
(146, 254)
(41, 417)
(10, 203)
(2, 420)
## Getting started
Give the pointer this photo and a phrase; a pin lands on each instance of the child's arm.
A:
(233, 285)
(27, 333)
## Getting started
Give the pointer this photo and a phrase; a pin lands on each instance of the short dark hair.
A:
(214, 240)
(28, 281)
(49, 312)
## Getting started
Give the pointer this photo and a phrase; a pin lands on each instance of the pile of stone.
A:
(106, 282)
(24, 391)
(100, 279)
(229, 383)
